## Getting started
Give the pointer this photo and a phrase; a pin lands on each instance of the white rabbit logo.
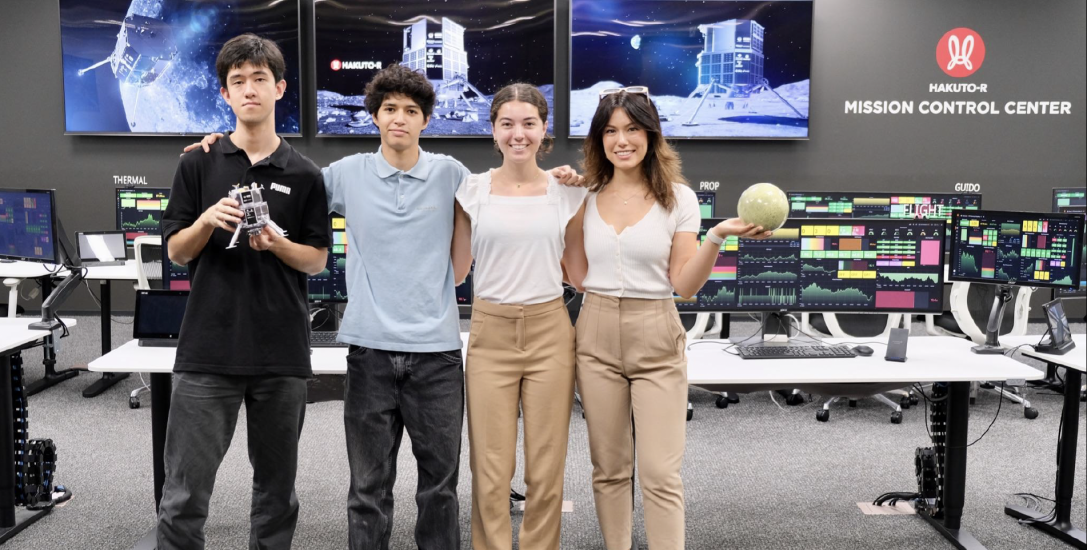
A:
(960, 57)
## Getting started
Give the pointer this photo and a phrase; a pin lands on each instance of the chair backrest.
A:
(862, 325)
(972, 303)
(149, 247)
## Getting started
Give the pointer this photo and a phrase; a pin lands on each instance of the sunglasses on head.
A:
(643, 90)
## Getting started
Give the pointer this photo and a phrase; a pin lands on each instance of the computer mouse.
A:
(863, 351)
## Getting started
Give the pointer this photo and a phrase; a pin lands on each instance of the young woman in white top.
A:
(641, 225)
(513, 221)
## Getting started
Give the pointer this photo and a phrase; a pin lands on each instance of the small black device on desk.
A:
(863, 351)
(1060, 335)
(158, 317)
(896, 345)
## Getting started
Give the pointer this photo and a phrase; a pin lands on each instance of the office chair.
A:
(149, 261)
(860, 325)
(709, 326)
(970, 307)
(150, 247)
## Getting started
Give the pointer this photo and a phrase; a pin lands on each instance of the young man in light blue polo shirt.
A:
(404, 367)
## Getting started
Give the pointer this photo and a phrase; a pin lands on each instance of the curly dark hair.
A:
(398, 79)
(252, 49)
(527, 93)
(661, 166)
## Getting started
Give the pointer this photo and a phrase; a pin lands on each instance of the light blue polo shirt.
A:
(400, 286)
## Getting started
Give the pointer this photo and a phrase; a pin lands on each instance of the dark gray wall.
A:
(863, 50)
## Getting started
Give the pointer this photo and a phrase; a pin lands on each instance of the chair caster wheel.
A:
(852, 403)
(896, 417)
(1030, 413)
(1083, 396)
(794, 399)
(733, 399)
(986, 385)
(133, 402)
(973, 400)
(904, 402)
(914, 400)
(823, 415)
(721, 402)
(690, 414)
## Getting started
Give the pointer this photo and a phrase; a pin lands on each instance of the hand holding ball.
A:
(764, 204)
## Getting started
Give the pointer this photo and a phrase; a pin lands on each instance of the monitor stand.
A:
(992, 328)
(775, 332)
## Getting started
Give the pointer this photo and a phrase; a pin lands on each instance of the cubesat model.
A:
(254, 212)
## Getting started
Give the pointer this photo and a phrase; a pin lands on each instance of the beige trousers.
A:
(632, 375)
(518, 355)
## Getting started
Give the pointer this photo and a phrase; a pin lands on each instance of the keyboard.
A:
(325, 339)
(795, 352)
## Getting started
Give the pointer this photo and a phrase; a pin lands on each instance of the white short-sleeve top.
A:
(517, 242)
(634, 263)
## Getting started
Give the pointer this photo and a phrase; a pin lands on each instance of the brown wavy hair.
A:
(519, 91)
(661, 165)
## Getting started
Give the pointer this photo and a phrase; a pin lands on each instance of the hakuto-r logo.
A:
(960, 52)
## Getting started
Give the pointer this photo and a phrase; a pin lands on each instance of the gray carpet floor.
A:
(757, 474)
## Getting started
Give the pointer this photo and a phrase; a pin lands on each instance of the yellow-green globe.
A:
(764, 204)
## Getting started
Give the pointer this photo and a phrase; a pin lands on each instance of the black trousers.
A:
(203, 414)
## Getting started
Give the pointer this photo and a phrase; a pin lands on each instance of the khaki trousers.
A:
(632, 375)
(518, 355)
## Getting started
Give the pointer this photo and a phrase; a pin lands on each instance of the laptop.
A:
(158, 317)
(101, 247)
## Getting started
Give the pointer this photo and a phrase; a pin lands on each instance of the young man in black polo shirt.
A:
(245, 336)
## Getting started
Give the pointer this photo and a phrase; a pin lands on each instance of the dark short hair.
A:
(398, 79)
(661, 166)
(527, 93)
(252, 49)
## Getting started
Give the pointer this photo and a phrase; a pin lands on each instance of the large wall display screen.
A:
(467, 49)
(148, 66)
(715, 68)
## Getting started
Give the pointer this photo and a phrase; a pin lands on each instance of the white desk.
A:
(928, 361)
(1060, 526)
(15, 336)
(930, 358)
(105, 275)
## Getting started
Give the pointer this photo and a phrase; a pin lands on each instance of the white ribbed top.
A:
(634, 264)
(517, 242)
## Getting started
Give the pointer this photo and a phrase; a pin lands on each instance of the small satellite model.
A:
(254, 212)
(144, 51)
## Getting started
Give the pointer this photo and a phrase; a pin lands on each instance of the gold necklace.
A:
(628, 198)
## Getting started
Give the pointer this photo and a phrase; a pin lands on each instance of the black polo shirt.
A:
(247, 312)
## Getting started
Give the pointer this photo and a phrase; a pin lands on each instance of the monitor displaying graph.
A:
(1073, 200)
(902, 206)
(28, 225)
(826, 265)
(1021, 248)
(706, 200)
(330, 285)
(139, 211)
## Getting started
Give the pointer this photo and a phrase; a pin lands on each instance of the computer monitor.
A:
(101, 247)
(864, 204)
(330, 285)
(1073, 200)
(825, 265)
(28, 225)
(158, 317)
(139, 211)
(1017, 248)
(706, 200)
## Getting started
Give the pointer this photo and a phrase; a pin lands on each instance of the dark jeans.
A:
(203, 414)
(387, 392)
